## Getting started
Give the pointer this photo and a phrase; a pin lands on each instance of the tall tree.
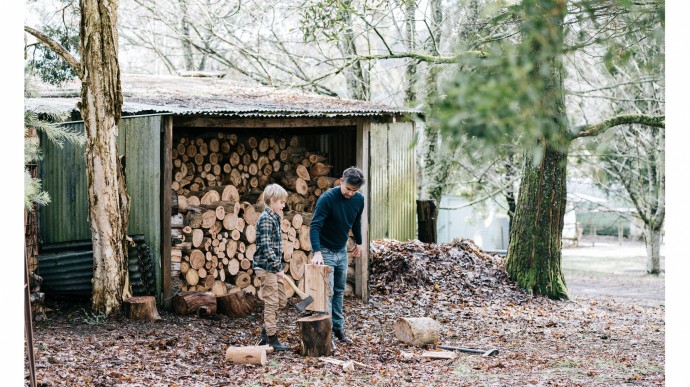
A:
(517, 95)
(101, 106)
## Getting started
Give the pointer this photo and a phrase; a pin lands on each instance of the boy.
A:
(268, 265)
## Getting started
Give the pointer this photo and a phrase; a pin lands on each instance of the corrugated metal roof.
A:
(145, 94)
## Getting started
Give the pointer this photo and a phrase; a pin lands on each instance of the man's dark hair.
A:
(354, 176)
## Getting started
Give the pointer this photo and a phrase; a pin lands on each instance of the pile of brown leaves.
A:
(459, 269)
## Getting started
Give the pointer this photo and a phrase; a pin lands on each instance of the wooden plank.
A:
(244, 122)
(166, 212)
(362, 158)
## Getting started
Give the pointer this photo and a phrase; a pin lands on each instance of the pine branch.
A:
(57, 48)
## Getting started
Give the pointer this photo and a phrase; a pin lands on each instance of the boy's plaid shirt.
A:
(269, 246)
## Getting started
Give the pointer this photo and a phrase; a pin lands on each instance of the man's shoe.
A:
(332, 343)
(263, 340)
(340, 334)
(273, 342)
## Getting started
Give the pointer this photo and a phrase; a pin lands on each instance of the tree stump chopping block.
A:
(315, 335)
(201, 303)
(417, 331)
(141, 308)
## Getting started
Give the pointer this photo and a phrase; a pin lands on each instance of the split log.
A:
(236, 303)
(246, 355)
(192, 277)
(141, 308)
(303, 237)
(316, 285)
(417, 331)
(315, 335)
(201, 303)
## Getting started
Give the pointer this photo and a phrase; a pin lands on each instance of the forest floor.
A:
(610, 333)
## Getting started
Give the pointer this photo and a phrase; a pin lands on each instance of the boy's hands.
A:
(281, 273)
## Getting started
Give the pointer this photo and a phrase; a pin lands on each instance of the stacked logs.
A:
(249, 165)
(217, 243)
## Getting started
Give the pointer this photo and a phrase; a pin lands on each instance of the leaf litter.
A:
(579, 342)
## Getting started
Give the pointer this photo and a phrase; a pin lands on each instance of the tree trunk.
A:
(534, 252)
(652, 239)
(101, 106)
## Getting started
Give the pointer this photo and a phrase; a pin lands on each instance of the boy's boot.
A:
(273, 342)
(263, 340)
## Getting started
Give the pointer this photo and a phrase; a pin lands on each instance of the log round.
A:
(315, 335)
(201, 303)
(417, 331)
(141, 308)
(246, 355)
(243, 280)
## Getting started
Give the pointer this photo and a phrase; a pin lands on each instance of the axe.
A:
(306, 299)
(489, 352)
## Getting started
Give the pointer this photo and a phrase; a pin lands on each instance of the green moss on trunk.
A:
(534, 253)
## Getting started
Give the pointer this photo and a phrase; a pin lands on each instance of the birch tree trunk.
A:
(101, 106)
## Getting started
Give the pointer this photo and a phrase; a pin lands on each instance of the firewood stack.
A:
(218, 183)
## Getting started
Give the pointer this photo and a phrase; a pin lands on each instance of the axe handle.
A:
(468, 350)
(300, 293)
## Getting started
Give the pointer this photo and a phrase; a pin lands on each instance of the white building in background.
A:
(488, 229)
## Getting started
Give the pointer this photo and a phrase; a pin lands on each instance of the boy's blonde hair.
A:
(274, 191)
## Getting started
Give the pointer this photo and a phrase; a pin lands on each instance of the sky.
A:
(678, 207)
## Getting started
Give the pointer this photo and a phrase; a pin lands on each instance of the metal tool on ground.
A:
(490, 352)
(306, 299)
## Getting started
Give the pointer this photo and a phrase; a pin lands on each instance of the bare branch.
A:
(597, 129)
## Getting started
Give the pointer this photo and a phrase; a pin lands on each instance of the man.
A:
(337, 211)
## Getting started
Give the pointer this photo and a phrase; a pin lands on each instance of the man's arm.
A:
(357, 232)
(317, 220)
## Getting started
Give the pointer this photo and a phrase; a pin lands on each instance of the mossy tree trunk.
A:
(534, 252)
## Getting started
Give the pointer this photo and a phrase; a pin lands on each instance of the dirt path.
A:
(605, 269)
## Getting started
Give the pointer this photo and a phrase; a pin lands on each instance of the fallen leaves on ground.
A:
(579, 342)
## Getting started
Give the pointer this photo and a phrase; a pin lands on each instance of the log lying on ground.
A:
(236, 303)
(201, 303)
(246, 355)
(141, 308)
(417, 331)
(315, 335)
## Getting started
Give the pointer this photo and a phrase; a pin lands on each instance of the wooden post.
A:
(315, 335)
(166, 212)
(362, 160)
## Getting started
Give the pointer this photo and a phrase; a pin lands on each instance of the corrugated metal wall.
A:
(63, 176)
(392, 180)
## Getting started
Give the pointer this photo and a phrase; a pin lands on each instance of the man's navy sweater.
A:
(333, 218)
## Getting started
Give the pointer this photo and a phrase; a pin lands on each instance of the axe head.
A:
(490, 352)
(302, 305)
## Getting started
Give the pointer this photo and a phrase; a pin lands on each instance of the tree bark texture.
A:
(652, 239)
(101, 106)
(534, 252)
